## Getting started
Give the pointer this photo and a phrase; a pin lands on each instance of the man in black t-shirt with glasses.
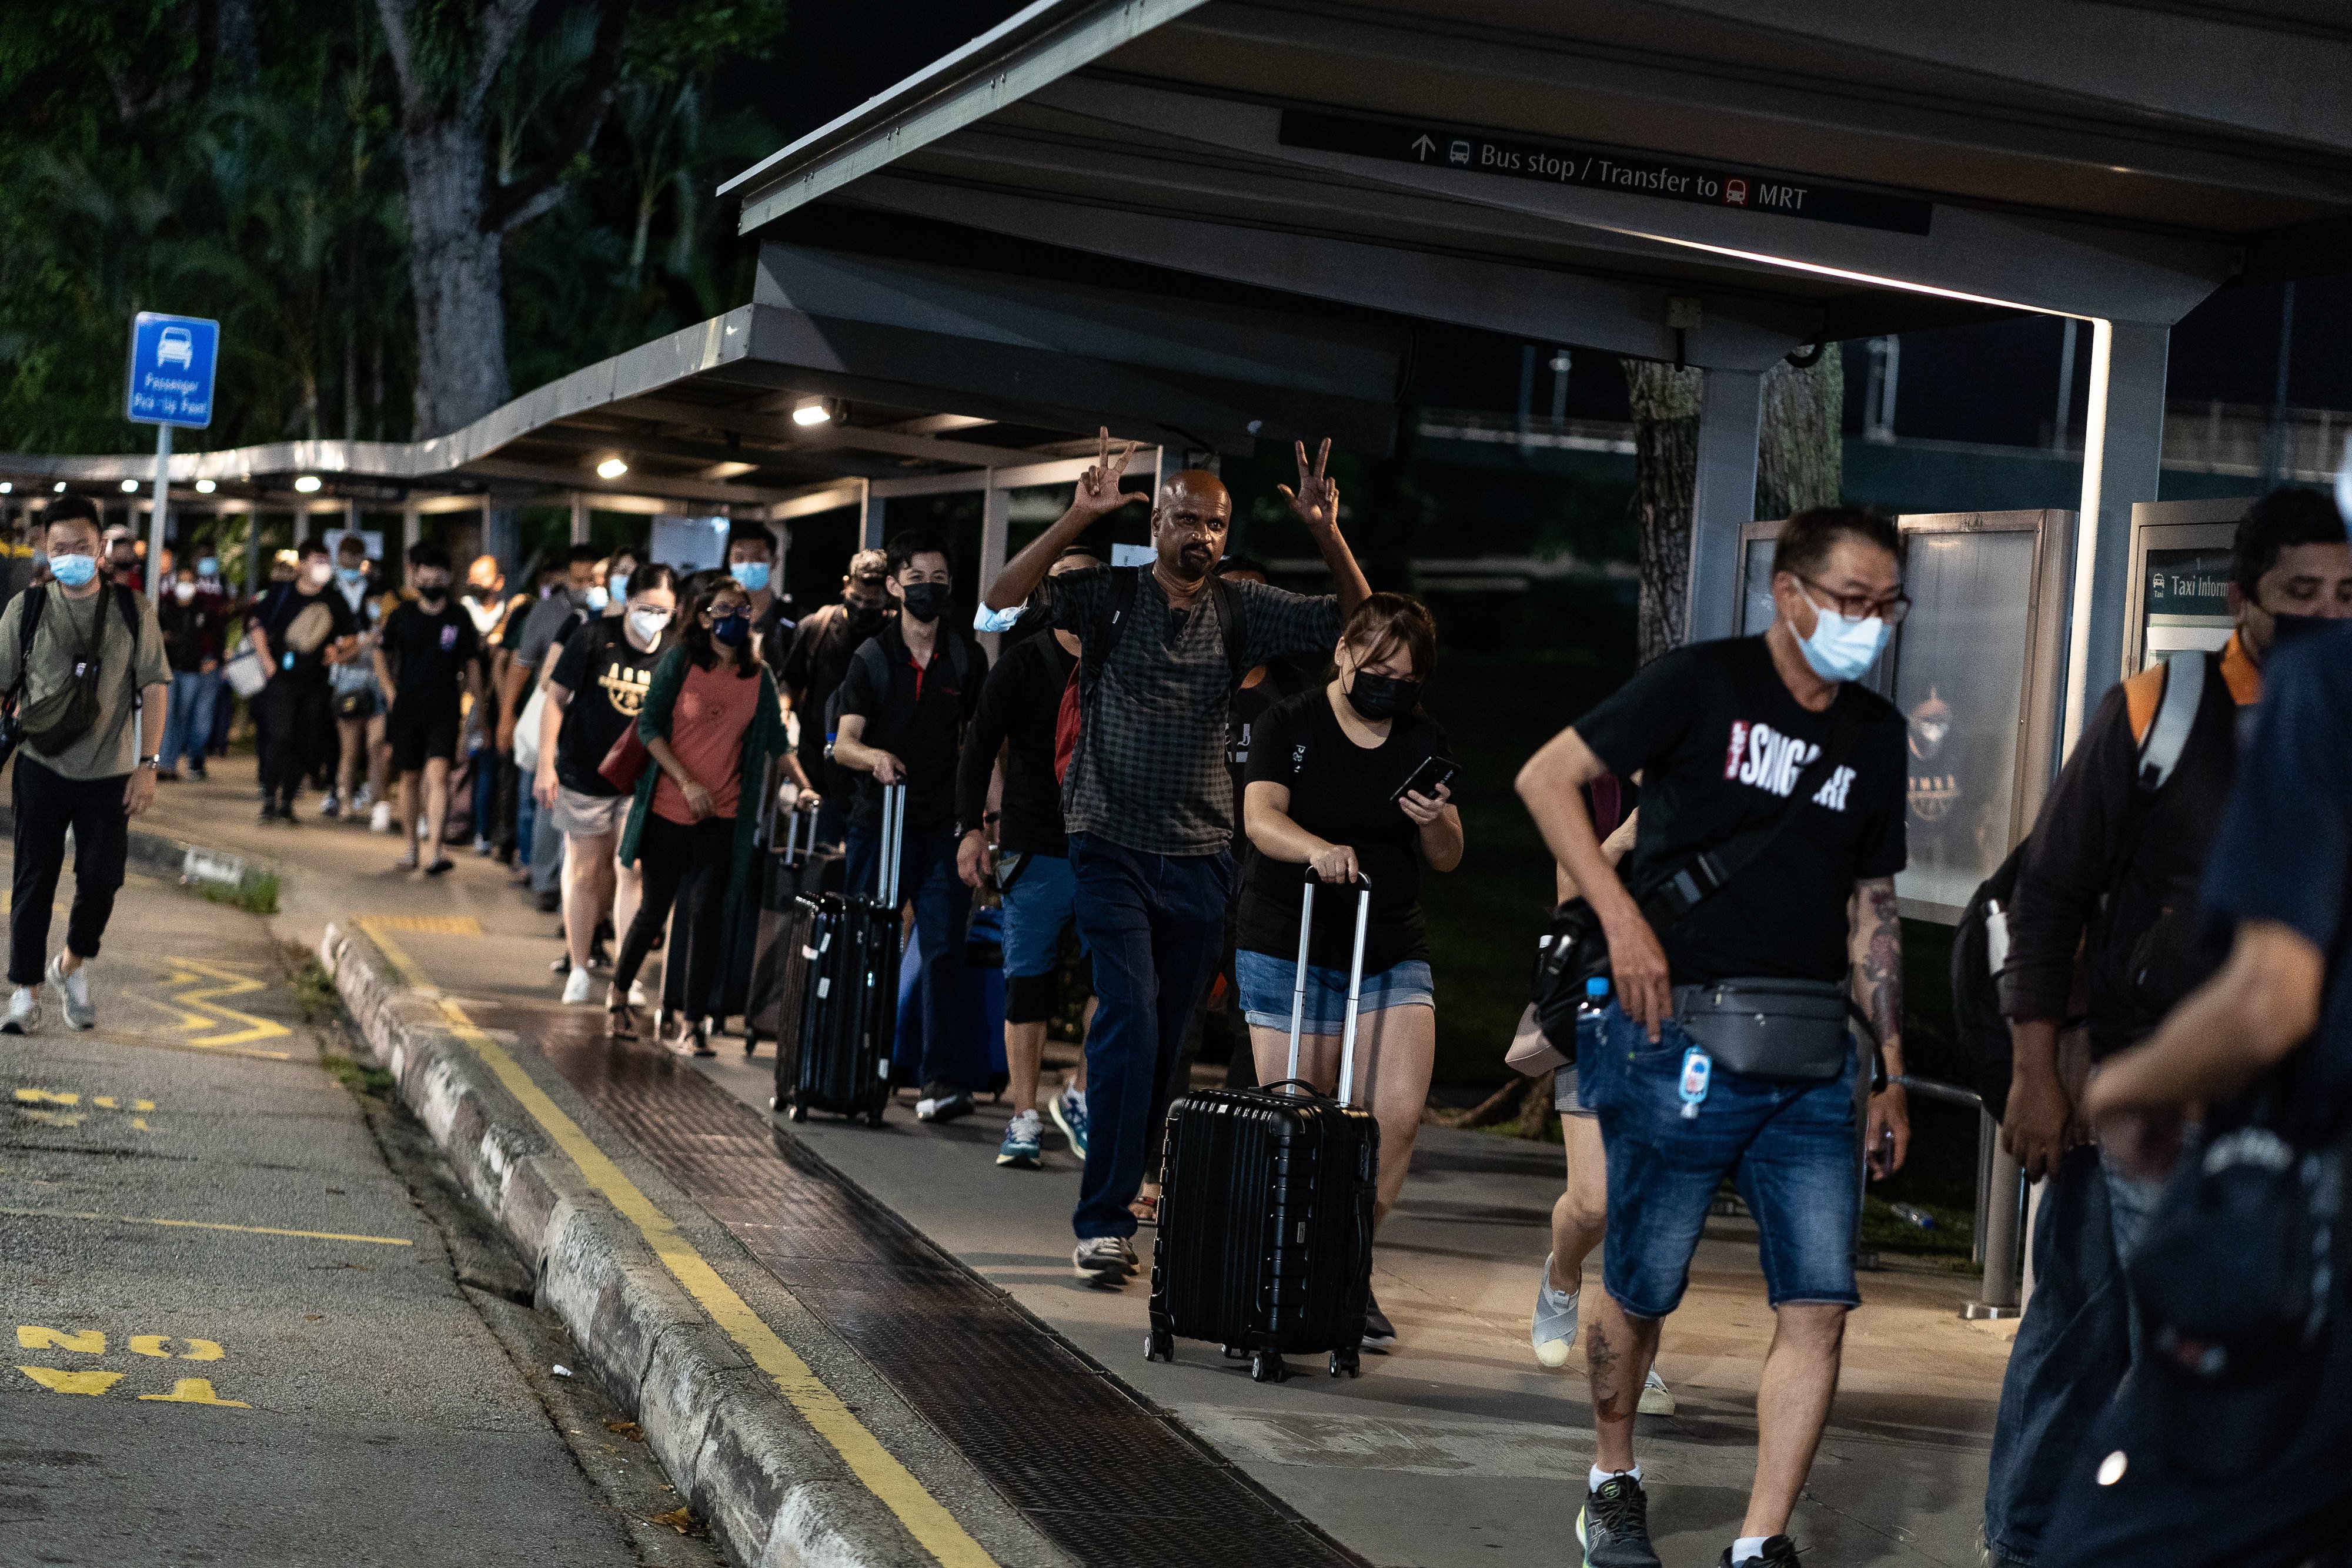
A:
(1761, 885)
(424, 660)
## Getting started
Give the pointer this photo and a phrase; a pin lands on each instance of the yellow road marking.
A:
(203, 1225)
(232, 984)
(151, 1042)
(427, 924)
(48, 1096)
(158, 1345)
(925, 1518)
(194, 1391)
(81, 1341)
(57, 1382)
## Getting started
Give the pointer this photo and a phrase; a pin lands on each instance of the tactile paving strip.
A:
(1091, 1467)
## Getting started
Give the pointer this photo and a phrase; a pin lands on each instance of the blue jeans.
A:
(526, 822)
(2072, 1351)
(485, 790)
(1156, 927)
(188, 718)
(927, 878)
(1791, 1146)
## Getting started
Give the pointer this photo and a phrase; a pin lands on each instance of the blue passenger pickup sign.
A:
(172, 369)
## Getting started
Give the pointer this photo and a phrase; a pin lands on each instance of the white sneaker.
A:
(576, 988)
(363, 798)
(74, 989)
(637, 998)
(380, 820)
(1105, 1261)
(1553, 1331)
(23, 1012)
(1656, 1399)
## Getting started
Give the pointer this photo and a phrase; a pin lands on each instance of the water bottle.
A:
(1910, 1214)
(1588, 1018)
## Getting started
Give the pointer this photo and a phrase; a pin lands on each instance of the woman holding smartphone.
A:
(710, 721)
(1346, 778)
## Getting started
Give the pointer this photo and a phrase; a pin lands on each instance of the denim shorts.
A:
(1040, 905)
(1268, 984)
(1793, 1147)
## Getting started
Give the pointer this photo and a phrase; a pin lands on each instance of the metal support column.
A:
(869, 527)
(1723, 497)
(579, 518)
(2122, 449)
(410, 531)
(996, 545)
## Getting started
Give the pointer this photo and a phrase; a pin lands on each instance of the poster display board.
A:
(1976, 670)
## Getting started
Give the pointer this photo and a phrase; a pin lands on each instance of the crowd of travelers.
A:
(1167, 754)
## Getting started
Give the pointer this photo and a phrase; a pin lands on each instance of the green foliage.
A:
(242, 160)
(256, 892)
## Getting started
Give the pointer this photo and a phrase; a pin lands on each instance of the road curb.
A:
(154, 853)
(776, 1493)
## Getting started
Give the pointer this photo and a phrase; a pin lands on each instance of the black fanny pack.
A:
(1768, 1029)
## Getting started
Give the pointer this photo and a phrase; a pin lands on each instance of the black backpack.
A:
(1980, 941)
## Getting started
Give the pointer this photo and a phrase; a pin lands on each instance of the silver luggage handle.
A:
(893, 838)
(1355, 980)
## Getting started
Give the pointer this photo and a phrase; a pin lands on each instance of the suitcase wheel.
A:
(1348, 1361)
(800, 1112)
(1266, 1366)
(1234, 1353)
(1158, 1346)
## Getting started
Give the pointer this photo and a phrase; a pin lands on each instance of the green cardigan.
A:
(763, 740)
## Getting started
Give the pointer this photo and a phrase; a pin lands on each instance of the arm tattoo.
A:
(1877, 953)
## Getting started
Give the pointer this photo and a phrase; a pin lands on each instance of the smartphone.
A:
(1432, 772)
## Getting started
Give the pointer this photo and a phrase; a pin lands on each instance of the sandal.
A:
(621, 1021)
(1145, 1208)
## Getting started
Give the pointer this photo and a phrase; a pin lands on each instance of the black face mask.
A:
(865, 619)
(2287, 630)
(926, 601)
(1376, 698)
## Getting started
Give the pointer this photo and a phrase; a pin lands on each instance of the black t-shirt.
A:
(319, 619)
(607, 678)
(1250, 703)
(810, 670)
(1340, 791)
(1720, 743)
(1020, 704)
(917, 715)
(427, 653)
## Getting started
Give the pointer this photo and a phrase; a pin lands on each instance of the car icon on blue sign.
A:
(175, 346)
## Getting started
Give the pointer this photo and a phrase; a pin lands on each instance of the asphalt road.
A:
(242, 1321)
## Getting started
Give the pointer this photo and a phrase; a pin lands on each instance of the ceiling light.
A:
(204, 486)
(6, 485)
(611, 469)
(59, 487)
(307, 484)
(130, 486)
(813, 412)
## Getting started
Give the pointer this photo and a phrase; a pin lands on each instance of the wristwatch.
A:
(155, 761)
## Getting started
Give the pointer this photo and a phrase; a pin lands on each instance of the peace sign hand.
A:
(1317, 500)
(1098, 493)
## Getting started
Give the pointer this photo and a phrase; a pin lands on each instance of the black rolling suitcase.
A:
(1266, 1208)
(850, 991)
(792, 878)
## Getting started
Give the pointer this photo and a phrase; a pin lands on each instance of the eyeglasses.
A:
(1861, 606)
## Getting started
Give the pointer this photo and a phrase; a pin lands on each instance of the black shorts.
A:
(415, 736)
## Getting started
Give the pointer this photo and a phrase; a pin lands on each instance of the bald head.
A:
(1189, 522)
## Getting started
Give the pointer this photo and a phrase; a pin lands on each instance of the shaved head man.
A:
(1148, 800)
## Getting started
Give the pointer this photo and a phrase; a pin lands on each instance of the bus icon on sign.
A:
(173, 346)
(1459, 152)
(1735, 193)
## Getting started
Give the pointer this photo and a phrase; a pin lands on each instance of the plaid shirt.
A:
(1150, 772)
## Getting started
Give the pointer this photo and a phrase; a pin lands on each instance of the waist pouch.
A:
(1768, 1029)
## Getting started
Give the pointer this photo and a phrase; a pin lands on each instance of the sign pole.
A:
(163, 507)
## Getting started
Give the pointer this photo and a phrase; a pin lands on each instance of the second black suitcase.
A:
(849, 1005)
(1266, 1208)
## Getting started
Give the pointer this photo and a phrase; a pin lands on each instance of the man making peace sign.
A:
(1148, 798)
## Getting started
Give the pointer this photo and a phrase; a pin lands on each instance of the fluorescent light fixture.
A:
(307, 484)
(204, 486)
(612, 467)
(130, 486)
(59, 487)
(6, 486)
(813, 412)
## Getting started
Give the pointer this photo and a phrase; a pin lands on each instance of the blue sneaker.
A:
(1069, 1108)
(1020, 1146)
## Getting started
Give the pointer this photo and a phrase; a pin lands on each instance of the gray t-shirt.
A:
(125, 665)
(1150, 772)
(539, 628)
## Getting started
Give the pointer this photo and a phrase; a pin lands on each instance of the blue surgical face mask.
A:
(617, 586)
(352, 576)
(752, 574)
(731, 631)
(597, 601)
(209, 565)
(1843, 648)
(73, 570)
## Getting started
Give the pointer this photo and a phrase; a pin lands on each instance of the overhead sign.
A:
(171, 359)
(1604, 169)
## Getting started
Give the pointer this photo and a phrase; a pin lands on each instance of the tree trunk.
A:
(1666, 471)
(1800, 464)
(452, 268)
